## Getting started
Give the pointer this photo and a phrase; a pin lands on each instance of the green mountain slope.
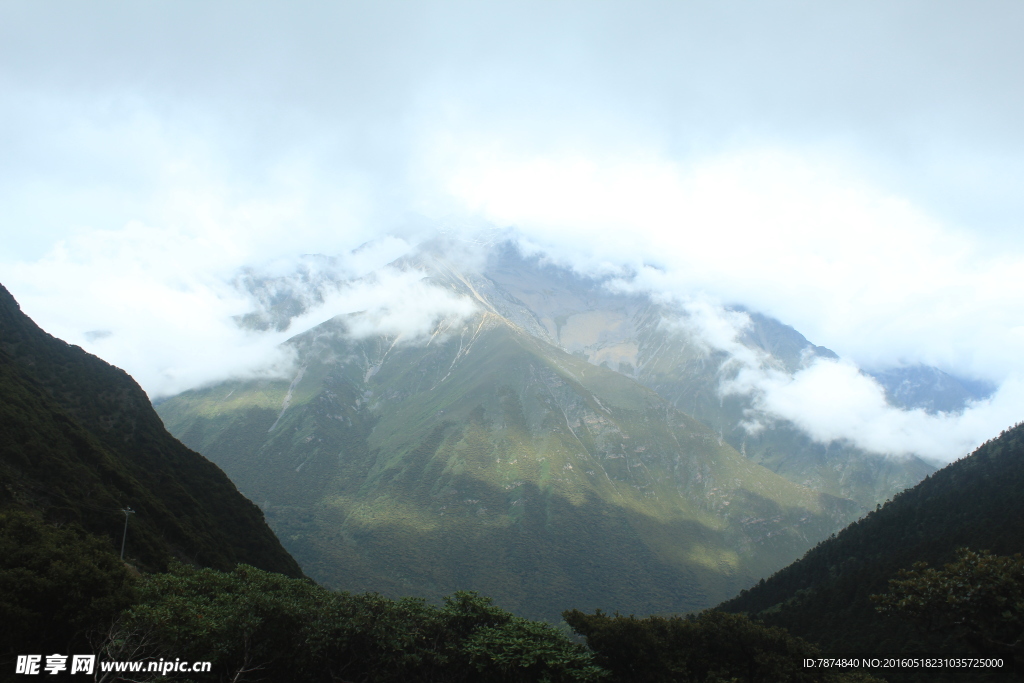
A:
(975, 502)
(657, 344)
(662, 345)
(79, 440)
(491, 460)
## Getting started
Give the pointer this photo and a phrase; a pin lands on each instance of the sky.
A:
(851, 169)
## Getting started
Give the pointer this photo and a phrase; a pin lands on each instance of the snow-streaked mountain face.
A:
(554, 442)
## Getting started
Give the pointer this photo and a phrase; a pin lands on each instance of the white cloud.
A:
(162, 303)
(393, 302)
(834, 401)
(851, 170)
(851, 266)
(157, 296)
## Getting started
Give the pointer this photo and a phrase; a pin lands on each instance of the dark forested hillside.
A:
(79, 440)
(976, 502)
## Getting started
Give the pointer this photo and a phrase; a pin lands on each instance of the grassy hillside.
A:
(655, 343)
(490, 460)
(659, 344)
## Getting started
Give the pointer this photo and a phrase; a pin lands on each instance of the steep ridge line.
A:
(81, 441)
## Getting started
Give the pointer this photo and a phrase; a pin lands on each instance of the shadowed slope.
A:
(80, 440)
(975, 502)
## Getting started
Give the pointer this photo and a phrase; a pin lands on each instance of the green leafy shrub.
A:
(713, 647)
(56, 584)
(255, 625)
(979, 599)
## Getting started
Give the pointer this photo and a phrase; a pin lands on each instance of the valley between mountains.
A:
(564, 446)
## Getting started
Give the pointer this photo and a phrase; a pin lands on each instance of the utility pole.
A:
(126, 511)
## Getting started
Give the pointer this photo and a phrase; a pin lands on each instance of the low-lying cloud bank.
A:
(759, 157)
(863, 417)
(833, 400)
(168, 307)
(393, 302)
(174, 313)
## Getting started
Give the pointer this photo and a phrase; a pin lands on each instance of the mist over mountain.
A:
(617, 305)
(768, 369)
(544, 437)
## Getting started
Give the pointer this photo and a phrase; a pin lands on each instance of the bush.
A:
(255, 625)
(713, 647)
(56, 585)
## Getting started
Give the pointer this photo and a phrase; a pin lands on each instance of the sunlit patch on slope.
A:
(492, 459)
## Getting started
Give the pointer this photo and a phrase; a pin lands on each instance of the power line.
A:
(127, 511)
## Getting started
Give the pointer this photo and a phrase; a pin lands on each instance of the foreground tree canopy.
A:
(257, 625)
(979, 599)
(55, 583)
(63, 590)
(713, 647)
